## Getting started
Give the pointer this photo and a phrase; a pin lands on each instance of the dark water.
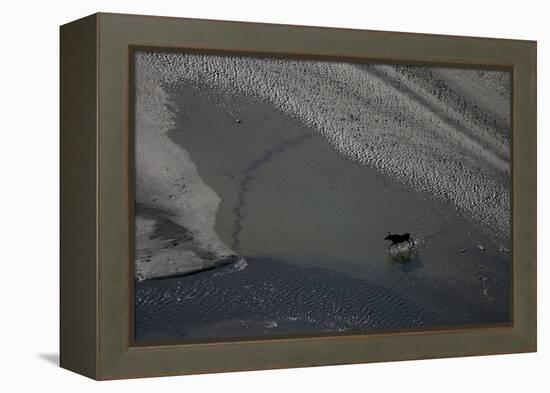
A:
(311, 225)
(270, 298)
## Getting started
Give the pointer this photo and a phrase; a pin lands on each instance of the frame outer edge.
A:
(117, 358)
(78, 191)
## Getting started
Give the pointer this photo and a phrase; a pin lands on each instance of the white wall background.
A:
(29, 193)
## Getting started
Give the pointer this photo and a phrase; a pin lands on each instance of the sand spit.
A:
(441, 131)
(175, 209)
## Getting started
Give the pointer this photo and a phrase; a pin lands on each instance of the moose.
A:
(398, 239)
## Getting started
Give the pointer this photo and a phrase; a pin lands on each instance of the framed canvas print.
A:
(240, 196)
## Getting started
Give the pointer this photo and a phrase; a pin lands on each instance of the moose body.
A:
(398, 239)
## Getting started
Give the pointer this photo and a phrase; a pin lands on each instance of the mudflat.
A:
(307, 225)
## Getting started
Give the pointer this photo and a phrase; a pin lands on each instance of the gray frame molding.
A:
(97, 204)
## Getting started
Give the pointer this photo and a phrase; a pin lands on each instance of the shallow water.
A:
(270, 298)
(311, 225)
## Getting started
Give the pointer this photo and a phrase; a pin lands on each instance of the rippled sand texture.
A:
(292, 172)
(311, 225)
(441, 131)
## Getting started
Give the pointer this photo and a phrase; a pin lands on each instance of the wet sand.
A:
(294, 207)
(439, 130)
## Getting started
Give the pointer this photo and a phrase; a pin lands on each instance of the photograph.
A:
(296, 196)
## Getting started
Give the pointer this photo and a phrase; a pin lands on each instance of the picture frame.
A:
(96, 195)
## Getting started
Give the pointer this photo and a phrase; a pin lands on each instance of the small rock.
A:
(481, 247)
(238, 120)
(462, 250)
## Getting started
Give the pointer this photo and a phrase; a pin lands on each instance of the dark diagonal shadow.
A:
(249, 172)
